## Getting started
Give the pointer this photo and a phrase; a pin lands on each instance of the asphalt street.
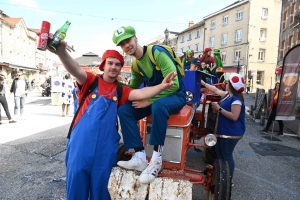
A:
(32, 159)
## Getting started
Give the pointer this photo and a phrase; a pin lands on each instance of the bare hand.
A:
(202, 82)
(215, 106)
(141, 103)
(61, 48)
(168, 81)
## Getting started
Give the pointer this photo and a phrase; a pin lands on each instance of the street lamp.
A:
(238, 66)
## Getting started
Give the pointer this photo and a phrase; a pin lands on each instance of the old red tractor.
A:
(175, 180)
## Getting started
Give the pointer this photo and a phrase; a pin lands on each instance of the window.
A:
(291, 42)
(261, 55)
(213, 25)
(11, 57)
(225, 19)
(190, 36)
(282, 48)
(196, 47)
(212, 42)
(223, 57)
(292, 13)
(284, 19)
(197, 33)
(224, 39)
(238, 35)
(260, 77)
(182, 38)
(263, 34)
(11, 38)
(237, 55)
(264, 13)
(239, 15)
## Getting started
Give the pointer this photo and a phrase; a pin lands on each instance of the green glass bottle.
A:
(59, 35)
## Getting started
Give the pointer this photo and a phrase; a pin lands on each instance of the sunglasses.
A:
(18, 75)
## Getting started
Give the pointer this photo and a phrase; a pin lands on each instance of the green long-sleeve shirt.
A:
(154, 75)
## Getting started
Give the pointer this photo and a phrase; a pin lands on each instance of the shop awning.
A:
(23, 67)
(230, 69)
(3, 64)
(278, 70)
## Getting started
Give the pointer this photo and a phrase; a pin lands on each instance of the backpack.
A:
(151, 56)
(89, 91)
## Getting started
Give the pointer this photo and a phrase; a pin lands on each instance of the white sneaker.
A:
(134, 163)
(151, 172)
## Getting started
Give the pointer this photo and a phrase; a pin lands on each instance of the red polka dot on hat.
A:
(238, 82)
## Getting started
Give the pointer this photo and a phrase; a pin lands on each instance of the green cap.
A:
(189, 51)
(217, 51)
(123, 33)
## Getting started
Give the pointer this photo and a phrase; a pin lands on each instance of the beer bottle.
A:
(59, 35)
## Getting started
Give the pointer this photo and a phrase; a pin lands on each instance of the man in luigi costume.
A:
(161, 106)
(219, 64)
(186, 61)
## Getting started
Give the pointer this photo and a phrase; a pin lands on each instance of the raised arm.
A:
(69, 63)
(213, 89)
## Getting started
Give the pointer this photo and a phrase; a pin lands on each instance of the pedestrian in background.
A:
(75, 97)
(3, 100)
(248, 85)
(66, 94)
(273, 108)
(231, 122)
(19, 88)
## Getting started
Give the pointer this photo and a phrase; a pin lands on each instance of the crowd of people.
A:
(19, 89)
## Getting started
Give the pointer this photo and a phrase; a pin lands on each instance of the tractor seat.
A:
(181, 119)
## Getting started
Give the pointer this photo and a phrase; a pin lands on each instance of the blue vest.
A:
(227, 126)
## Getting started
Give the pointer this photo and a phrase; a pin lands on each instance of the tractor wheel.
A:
(121, 152)
(221, 183)
(209, 155)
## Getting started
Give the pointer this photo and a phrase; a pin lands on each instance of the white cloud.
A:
(32, 4)
(189, 2)
(27, 3)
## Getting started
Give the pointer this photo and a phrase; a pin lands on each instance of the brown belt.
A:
(230, 137)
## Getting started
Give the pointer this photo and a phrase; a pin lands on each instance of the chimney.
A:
(191, 23)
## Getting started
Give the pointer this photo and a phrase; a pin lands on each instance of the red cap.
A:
(111, 53)
(207, 49)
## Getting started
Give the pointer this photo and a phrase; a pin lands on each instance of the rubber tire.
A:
(221, 184)
(209, 155)
(121, 151)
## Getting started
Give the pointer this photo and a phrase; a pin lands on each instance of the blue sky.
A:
(94, 21)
